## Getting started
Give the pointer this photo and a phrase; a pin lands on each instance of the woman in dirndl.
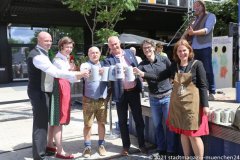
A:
(60, 102)
(189, 108)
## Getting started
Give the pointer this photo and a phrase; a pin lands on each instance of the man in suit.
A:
(125, 94)
(41, 72)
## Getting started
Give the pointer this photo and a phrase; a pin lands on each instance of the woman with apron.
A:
(189, 99)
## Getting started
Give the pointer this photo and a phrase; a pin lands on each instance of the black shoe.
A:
(171, 155)
(143, 150)
(162, 152)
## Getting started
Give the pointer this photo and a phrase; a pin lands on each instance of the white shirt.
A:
(43, 63)
(61, 62)
(139, 59)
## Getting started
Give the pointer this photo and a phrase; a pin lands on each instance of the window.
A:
(23, 35)
(19, 65)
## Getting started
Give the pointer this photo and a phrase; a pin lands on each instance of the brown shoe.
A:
(143, 150)
(125, 152)
(102, 151)
(87, 152)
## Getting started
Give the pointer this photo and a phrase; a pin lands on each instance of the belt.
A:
(130, 89)
(99, 99)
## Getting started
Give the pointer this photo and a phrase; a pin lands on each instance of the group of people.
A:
(179, 91)
(49, 93)
(170, 85)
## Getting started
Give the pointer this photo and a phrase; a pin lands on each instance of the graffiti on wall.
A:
(222, 61)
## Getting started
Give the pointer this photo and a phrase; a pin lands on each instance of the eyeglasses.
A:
(148, 47)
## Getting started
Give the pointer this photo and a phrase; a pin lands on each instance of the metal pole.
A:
(111, 135)
(183, 25)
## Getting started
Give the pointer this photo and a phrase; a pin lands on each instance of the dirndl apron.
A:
(60, 103)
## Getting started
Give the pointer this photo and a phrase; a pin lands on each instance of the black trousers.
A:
(131, 98)
(40, 105)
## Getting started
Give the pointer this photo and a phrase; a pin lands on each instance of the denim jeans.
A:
(165, 139)
(205, 56)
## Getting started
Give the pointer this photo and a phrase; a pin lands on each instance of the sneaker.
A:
(211, 97)
(102, 151)
(87, 152)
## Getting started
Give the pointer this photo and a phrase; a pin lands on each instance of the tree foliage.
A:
(225, 12)
(101, 16)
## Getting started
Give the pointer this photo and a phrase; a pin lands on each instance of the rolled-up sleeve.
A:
(43, 63)
(209, 25)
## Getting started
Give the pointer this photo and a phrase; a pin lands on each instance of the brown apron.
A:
(184, 103)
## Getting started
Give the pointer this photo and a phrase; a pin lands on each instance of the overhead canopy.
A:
(135, 39)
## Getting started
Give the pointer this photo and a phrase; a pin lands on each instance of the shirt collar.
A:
(60, 55)
(41, 48)
(155, 59)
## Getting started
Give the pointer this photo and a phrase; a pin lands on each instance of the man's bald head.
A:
(94, 54)
(44, 40)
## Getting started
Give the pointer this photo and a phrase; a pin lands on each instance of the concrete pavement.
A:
(16, 129)
(16, 126)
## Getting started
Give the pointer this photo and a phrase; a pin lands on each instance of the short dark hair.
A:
(148, 41)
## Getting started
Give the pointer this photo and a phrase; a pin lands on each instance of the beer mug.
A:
(225, 116)
(129, 75)
(232, 115)
(94, 74)
(111, 73)
(119, 71)
(105, 74)
(216, 116)
(210, 114)
(84, 66)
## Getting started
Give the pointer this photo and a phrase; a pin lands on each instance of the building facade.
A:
(21, 20)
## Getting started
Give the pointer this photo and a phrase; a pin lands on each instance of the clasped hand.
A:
(81, 74)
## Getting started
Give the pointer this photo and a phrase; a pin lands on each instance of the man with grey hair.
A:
(126, 93)
(133, 49)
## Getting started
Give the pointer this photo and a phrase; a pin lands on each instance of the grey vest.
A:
(201, 24)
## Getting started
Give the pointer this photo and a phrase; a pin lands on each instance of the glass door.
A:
(19, 65)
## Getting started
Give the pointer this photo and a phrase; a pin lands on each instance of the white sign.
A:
(222, 61)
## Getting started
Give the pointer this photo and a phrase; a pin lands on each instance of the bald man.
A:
(133, 49)
(94, 103)
(41, 73)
